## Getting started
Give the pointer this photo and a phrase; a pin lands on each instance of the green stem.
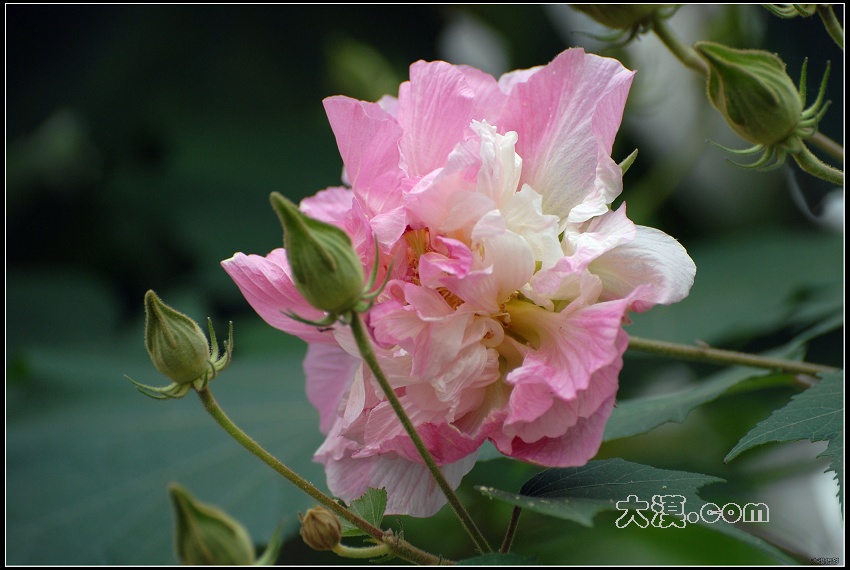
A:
(365, 347)
(719, 356)
(684, 53)
(814, 166)
(511, 532)
(825, 143)
(400, 548)
(833, 26)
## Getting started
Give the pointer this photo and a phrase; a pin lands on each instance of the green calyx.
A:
(622, 16)
(207, 535)
(180, 350)
(325, 268)
(753, 92)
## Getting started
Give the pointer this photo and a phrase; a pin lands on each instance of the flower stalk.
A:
(720, 356)
(399, 547)
(365, 348)
(683, 52)
(832, 24)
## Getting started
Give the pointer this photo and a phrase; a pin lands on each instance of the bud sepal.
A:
(753, 92)
(326, 270)
(180, 351)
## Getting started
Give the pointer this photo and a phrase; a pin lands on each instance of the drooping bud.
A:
(176, 344)
(320, 529)
(753, 92)
(325, 268)
(621, 16)
(207, 535)
(791, 10)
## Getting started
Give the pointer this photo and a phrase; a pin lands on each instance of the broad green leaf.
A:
(579, 493)
(370, 507)
(816, 415)
(494, 559)
(89, 458)
(640, 415)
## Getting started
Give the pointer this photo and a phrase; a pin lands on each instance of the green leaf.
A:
(370, 507)
(641, 415)
(579, 493)
(495, 559)
(816, 415)
(89, 458)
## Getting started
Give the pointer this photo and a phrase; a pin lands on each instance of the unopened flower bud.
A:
(792, 10)
(325, 268)
(753, 92)
(320, 529)
(206, 535)
(177, 345)
(621, 16)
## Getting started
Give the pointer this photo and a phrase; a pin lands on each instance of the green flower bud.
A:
(752, 91)
(207, 535)
(320, 529)
(176, 344)
(791, 10)
(325, 268)
(621, 16)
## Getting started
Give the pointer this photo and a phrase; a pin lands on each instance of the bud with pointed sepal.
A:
(180, 351)
(753, 92)
(623, 16)
(176, 344)
(207, 535)
(325, 268)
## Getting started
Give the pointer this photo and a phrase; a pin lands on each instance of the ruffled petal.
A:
(434, 111)
(567, 114)
(654, 265)
(368, 139)
(411, 489)
(329, 371)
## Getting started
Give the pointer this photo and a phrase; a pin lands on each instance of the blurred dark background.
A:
(142, 143)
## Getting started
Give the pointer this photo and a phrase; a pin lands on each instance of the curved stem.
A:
(814, 166)
(719, 356)
(363, 344)
(828, 145)
(684, 53)
(400, 548)
(833, 26)
(511, 532)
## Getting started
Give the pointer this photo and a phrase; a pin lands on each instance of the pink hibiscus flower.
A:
(510, 276)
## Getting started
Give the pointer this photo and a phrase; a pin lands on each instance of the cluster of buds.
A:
(759, 101)
(180, 350)
(630, 19)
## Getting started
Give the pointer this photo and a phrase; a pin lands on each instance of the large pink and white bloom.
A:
(510, 275)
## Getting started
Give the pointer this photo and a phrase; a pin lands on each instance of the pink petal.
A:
(266, 284)
(329, 205)
(576, 447)
(368, 139)
(567, 114)
(329, 371)
(434, 110)
(654, 269)
(411, 489)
